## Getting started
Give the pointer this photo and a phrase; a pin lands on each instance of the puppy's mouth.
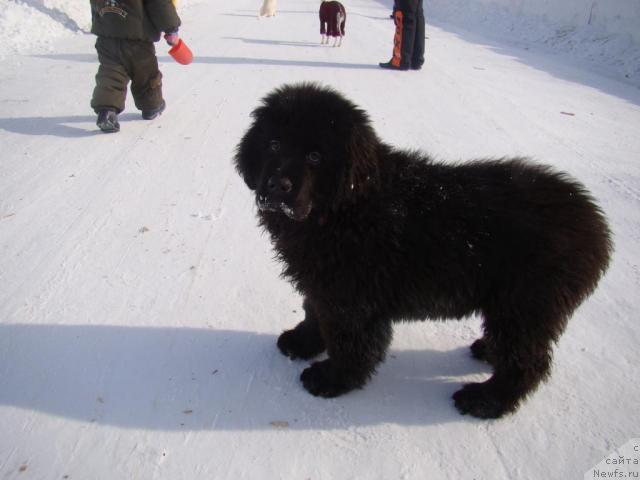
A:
(297, 213)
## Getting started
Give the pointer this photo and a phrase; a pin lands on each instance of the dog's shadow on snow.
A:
(67, 127)
(205, 379)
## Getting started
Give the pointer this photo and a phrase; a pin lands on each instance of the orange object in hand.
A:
(181, 53)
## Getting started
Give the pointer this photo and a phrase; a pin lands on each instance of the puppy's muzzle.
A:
(278, 189)
(279, 198)
(279, 186)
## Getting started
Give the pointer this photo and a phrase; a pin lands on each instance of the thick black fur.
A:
(371, 235)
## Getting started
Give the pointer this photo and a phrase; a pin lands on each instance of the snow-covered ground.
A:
(602, 34)
(140, 304)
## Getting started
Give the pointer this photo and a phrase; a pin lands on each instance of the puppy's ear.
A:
(362, 174)
(247, 157)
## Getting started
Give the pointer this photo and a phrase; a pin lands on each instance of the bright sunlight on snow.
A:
(140, 302)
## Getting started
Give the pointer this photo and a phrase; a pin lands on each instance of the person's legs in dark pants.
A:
(112, 78)
(146, 78)
(417, 56)
(406, 19)
(110, 91)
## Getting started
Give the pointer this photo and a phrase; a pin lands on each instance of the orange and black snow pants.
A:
(408, 42)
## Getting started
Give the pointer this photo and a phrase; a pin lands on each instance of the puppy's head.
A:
(308, 148)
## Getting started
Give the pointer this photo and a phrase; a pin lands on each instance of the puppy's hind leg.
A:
(519, 349)
(355, 346)
(305, 340)
(482, 350)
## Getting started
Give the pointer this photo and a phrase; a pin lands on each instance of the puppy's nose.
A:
(279, 185)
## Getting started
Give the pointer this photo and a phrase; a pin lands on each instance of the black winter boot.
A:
(108, 121)
(151, 114)
(390, 66)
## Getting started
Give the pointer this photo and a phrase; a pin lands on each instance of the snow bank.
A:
(603, 32)
(615, 17)
(31, 26)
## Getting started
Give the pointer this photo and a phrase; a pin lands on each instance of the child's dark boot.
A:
(153, 113)
(108, 121)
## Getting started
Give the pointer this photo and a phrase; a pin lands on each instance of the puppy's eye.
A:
(314, 158)
(274, 145)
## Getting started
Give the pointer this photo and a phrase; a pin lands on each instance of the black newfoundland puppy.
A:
(370, 235)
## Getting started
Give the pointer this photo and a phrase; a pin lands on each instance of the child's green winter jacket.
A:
(133, 19)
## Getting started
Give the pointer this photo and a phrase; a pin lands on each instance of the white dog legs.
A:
(268, 9)
(335, 42)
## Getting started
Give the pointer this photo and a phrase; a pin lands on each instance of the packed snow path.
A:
(140, 303)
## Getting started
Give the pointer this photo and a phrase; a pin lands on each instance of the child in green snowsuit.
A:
(127, 30)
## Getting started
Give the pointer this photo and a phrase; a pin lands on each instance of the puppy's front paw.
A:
(295, 344)
(478, 400)
(322, 380)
